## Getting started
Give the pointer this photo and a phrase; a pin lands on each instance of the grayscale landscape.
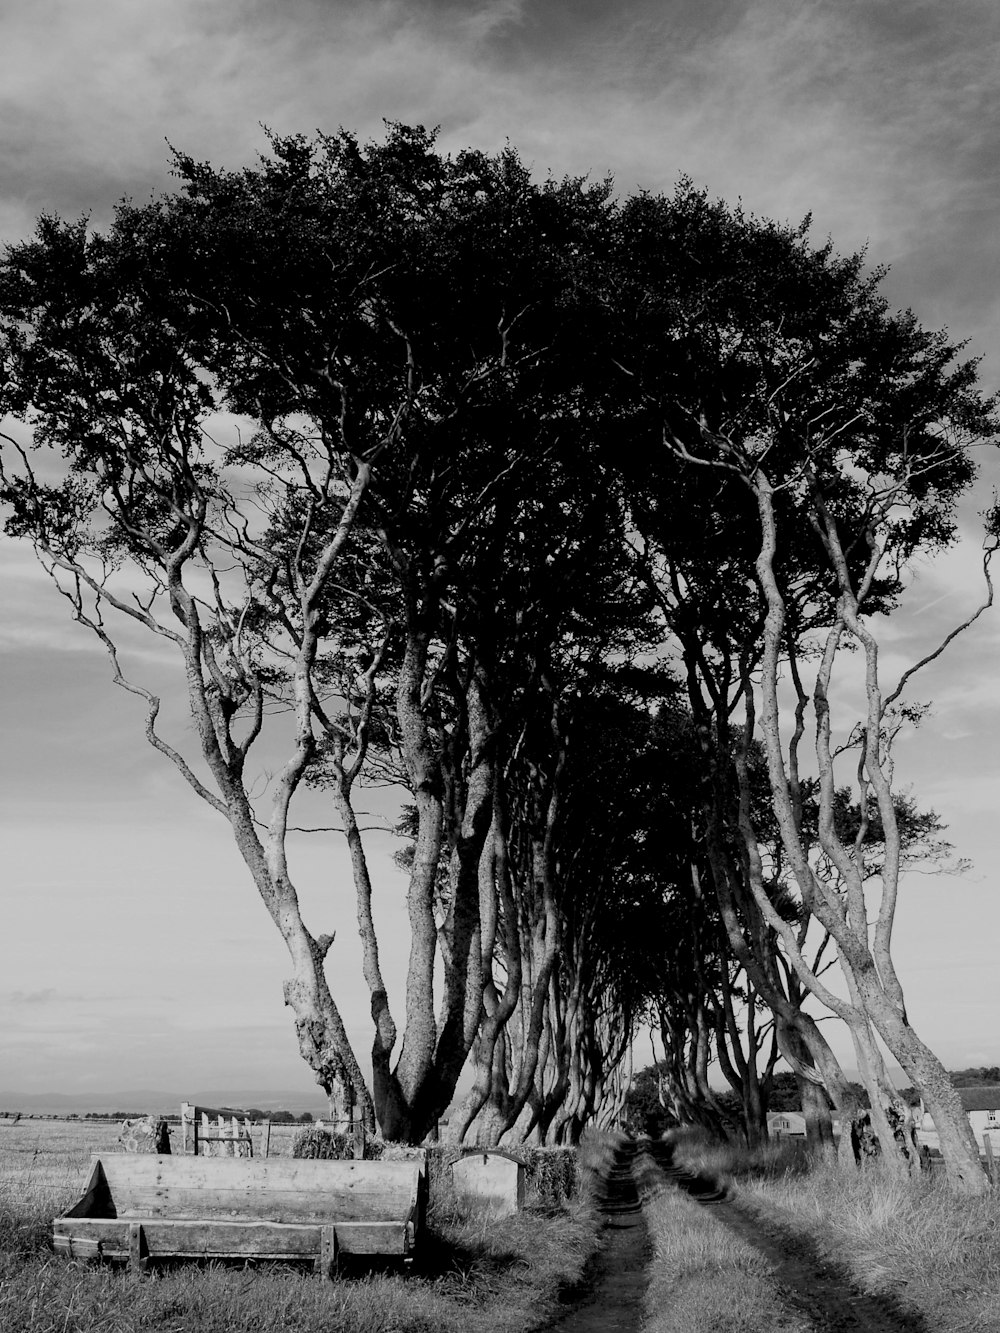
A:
(498, 516)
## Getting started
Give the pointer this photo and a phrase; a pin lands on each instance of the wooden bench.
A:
(146, 1206)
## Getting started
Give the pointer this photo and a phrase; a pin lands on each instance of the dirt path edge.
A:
(820, 1289)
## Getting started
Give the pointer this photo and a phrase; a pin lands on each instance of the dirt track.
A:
(613, 1299)
(821, 1290)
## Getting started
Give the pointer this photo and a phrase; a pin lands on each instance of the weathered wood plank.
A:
(111, 1234)
(273, 1189)
(78, 1247)
(161, 1238)
(373, 1238)
(138, 1250)
(326, 1264)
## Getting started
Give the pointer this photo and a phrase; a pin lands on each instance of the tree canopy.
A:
(524, 497)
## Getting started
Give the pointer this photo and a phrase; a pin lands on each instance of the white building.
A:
(982, 1105)
(786, 1124)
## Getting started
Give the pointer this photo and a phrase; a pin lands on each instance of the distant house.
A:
(786, 1124)
(982, 1105)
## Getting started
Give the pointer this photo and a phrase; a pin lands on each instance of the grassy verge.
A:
(698, 1152)
(703, 1278)
(936, 1252)
(477, 1275)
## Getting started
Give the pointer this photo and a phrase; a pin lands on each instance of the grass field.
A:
(476, 1276)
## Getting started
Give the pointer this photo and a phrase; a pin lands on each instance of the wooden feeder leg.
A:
(326, 1264)
(138, 1251)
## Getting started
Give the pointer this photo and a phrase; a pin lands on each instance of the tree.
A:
(613, 886)
(561, 600)
(399, 332)
(645, 1113)
(487, 432)
(821, 441)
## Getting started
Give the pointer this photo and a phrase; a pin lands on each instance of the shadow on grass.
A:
(819, 1287)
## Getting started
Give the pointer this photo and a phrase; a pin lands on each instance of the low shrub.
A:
(329, 1146)
(551, 1175)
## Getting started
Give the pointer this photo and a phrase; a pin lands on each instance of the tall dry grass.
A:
(476, 1275)
(697, 1151)
(703, 1278)
(937, 1253)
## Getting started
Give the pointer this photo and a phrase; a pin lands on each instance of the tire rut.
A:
(612, 1299)
(820, 1290)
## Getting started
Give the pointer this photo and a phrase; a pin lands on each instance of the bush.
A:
(551, 1175)
(322, 1144)
(327, 1145)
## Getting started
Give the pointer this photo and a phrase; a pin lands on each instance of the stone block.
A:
(493, 1181)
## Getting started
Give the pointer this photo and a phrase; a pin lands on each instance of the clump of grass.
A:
(317, 1143)
(935, 1251)
(521, 1260)
(595, 1157)
(704, 1279)
(697, 1151)
(33, 1189)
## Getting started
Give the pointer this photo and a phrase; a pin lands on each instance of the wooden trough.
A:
(140, 1207)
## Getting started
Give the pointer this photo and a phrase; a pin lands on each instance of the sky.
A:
(133, 951)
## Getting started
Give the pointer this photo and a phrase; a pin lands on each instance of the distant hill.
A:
(148, 1099)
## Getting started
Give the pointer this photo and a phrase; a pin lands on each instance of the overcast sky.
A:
(134, 952)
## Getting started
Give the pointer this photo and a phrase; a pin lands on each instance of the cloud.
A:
(45, 996)
(879, 125)
(877, 118)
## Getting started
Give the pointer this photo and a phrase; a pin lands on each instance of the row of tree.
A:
(560, 513)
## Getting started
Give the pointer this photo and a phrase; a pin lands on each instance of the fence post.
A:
(189, 1121)
(991, 1165)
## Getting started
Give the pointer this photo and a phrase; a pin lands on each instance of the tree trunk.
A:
(963, 1167)
(812, 1093)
